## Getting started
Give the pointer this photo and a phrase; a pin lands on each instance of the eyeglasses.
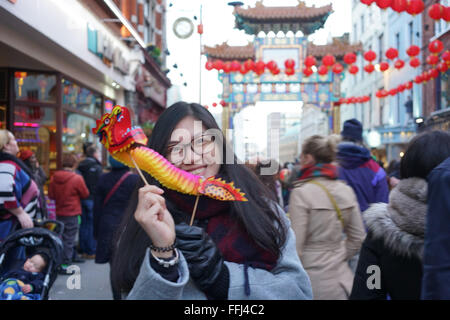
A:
(199, 145)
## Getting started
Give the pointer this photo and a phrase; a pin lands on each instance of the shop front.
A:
(49, 113)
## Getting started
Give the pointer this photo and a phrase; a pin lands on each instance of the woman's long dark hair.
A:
(257, 216)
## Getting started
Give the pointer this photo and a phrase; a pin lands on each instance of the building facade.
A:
(64, 63)
(436, 92)
(378, 30)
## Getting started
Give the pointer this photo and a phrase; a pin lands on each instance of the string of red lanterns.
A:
(329, 62)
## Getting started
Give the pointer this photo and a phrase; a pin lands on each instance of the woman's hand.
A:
(152, 214)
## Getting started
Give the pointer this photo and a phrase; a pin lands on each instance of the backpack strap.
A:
(118, 183)
(333, 201)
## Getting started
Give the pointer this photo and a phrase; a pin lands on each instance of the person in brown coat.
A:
(326, 220)
(67, 189)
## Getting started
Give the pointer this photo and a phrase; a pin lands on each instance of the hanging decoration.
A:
(391, 53)
(432, 59)
(353, 69)
(413, 51)
(399, 64)
(383, 4)
(399, 5)
(414, 62)
(349, 58)
(337, 68)
(310, 61)
(384, 66)
(328, 60)
(414, 7)
(307, 72)
(436, 46)
(370, 55)
(436, 11)
(369, 68)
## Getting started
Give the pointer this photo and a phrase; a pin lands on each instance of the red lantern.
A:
(276, 71)
(223, 103)
(391, 53)
(353, 69)
(384, 93)
(415, 62)
(289, 71)
(259, 67)
(442, 67)
(218, 64)
(446, 14)
(398, 5)
(338, 68)
(409, 85)
(436, 46)
(383, 4)
(289, 64)
(307, 72)
(379, 94)
(249, 65)
(401, 88)
(413, 51)
(367, 2)
(214, 104)
(436, 11)
(271, 65)
(399, 64)
(432, 59)
(209, 65)
(227, 67)
(426, 76)
(200, 29)
(235, 66)
(350, 58)
(446, 56)
(323, 70)
(393, 92)
(434, 73)
(370, 56)
(384, 66)
(243, 69)
(328, 60)
(415, 7)
(310, 61)
(418, 79)
(369, 68)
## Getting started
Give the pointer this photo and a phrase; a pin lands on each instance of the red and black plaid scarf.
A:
(230, 237)
(326, 170)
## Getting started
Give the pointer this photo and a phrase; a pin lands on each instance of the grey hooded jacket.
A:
(287, 281)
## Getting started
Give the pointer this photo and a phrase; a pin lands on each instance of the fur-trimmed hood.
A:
(401, 223)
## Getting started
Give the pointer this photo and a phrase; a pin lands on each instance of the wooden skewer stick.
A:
(193, 211)
(139, 170)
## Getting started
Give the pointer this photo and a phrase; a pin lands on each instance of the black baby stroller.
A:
(44, 236)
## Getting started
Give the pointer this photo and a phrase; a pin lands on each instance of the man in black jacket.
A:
(91, 169)
(436, 261)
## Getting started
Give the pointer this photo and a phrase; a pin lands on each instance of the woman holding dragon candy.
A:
(234, 250)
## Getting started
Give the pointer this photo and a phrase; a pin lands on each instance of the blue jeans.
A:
(87, 242)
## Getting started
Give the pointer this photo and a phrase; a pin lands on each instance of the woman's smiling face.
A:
(193, 148)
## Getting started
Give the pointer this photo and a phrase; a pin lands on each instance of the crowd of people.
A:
(335, 225)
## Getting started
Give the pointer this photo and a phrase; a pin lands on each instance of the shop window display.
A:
(2, 116)
(35, 87)
(35, 129)
(81, 99)
(77, 130)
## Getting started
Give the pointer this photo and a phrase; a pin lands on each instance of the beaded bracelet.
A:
(162, 249)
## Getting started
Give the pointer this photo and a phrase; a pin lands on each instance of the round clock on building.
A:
(183, 28)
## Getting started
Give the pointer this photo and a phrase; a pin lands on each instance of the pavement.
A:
(90, 281)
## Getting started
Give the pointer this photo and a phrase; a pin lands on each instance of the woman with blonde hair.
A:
(326, 220)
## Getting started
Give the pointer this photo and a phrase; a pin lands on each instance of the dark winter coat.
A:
(91, 170)
(108, 217)
(363, 174)
(67, 189)
(436, 262)
(394, 244)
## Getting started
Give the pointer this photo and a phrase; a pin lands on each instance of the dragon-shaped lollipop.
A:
(127, 144)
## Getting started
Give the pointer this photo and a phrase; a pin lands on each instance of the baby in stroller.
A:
(25, 283)
(43, 246)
